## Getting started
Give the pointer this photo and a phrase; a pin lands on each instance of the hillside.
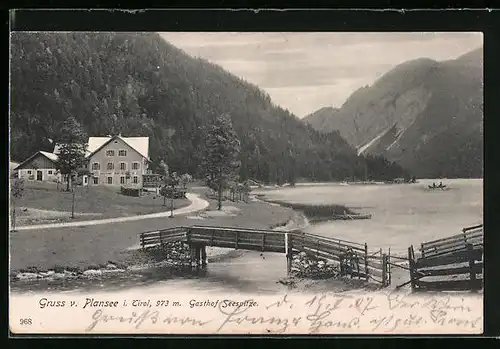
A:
(140, 85)
(425, 115)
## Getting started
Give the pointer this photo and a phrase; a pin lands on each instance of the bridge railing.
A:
(163, 236)
(345, 254)
(250, 239)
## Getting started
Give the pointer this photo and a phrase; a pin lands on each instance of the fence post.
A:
(422, 250)
(197, 252)
(142, 241)
(288, 251)
(411, 267)
(389, 271)
(366, 261)
(384, 270)
(470, 252)
(236, 242)
(204, 256)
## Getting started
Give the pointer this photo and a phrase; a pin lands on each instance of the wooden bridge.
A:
(352, 258)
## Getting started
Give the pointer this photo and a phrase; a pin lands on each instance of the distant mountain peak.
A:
(423, 113)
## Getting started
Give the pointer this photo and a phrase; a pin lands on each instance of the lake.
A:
(402, 214)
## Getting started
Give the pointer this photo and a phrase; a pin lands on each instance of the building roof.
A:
(139, 144)
(51, 156)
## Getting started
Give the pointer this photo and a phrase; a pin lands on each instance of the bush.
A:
(177, 193)
(136, 192)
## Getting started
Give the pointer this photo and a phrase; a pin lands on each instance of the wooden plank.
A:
(444, 246)
(435, 253)
(332, 245)
(449, 285)
(151, 234)
(232, 229)
(320, 254)
(442, 242)
(159, 238)
(475, 227)
(458, 257)
(452, 244)
(454, 238)
(335, 249)
(215, 239)
(340, 242)
(478, 267)
(451, 251)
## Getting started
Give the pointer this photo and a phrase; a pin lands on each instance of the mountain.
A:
(140, 85)
(423, 114)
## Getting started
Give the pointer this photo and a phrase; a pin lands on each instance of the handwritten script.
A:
(326, 313)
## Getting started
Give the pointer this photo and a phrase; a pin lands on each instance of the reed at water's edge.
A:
(315, 213)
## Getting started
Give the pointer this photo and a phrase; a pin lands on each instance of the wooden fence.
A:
(472, 235)
(352, 258)
(453, 263)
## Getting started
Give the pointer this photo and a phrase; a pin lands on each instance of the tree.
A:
(185, 179)
(72, 147)
(17, 191)
(173, 182)
(246, 189)
(164, 191)
(220, 161)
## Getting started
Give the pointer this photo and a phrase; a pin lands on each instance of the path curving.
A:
(197, 204)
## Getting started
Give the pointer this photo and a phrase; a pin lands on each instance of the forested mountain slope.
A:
(140, 85)
(425, 115)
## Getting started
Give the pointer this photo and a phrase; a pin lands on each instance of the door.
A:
(39, 175)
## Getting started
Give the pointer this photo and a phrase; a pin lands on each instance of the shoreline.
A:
(117, 249)
(318, 213)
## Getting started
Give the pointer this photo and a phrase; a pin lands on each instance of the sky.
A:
(304, 72)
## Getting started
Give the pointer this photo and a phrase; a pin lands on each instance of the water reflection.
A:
(251, 272)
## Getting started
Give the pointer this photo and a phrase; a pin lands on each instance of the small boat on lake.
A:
(439, 186)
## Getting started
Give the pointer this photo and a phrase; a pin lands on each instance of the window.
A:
(50, 172)
(122, 180)
(122, 153)
(110, 180)
(110, 166)
(96, 180)
(110, 152)
(135, 166)
(136, 179)
(29, 172)
(123, 166)
(95, 166)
